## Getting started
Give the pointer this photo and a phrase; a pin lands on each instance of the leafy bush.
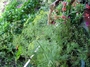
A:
(16, 16)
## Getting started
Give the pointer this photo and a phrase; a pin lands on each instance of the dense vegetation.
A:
(24, 28)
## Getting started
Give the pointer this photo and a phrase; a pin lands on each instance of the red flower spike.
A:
(64, 9)
(87, 6)
(63, 17)
(64, 3)
(86, 15)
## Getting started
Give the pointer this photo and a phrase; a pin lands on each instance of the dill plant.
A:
(62, 45)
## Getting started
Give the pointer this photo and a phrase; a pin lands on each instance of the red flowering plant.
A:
(72, 31)
(70, 12)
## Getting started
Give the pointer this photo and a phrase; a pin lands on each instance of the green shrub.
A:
(11, 24)
(59, 45)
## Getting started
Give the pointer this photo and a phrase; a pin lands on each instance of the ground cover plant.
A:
(62, 44)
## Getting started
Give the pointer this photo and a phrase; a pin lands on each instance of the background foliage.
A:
(25, 28)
